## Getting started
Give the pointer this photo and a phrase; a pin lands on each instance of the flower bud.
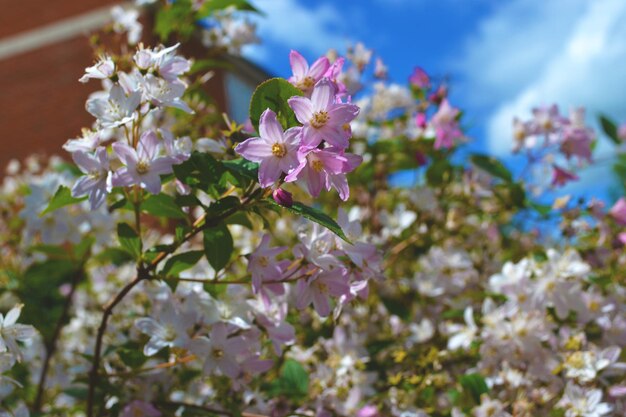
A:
(283, 197)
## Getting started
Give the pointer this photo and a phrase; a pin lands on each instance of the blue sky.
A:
(501, 57)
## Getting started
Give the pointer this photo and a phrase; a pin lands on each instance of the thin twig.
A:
(108, 310)
(51, 345)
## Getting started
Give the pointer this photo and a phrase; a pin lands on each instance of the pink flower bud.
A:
(621, 132)
(618, 211)
(420, 120)
(283, 197)
(421, 158)
(368, 411)
(419, 78)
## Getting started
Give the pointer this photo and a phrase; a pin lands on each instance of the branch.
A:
(51, 345)
(108, 310)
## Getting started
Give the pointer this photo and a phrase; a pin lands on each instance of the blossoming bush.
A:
(186, 265)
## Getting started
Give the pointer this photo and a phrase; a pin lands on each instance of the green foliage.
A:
(129, 240)
(40, 287)
(218, 246)
(492, 166)
(273, 94)
(176, 17)
(315, 215)
(609, 128)
(201, 171)
(163, 205)
(62, 197)
(210, 7)
(293, 381)
(181, 262)
(439, 172)
(475, 384)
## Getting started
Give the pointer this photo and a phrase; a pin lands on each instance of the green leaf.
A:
(181, 262)
(210, 7)
(492, 166)
(609, 128)
(163, 205)
(218, 246)
(200, 170)
(292, 382)
(273, 94)
(39, 288)
(543, 209)
(475, 384)
(438, 172)
(315, 215)
(175, 17)
(62, 197)
(129, 240)
(219, 207)
(243, 167)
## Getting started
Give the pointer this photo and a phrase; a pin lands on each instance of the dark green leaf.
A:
(62, 197)
(129, 240)
(243, 167)
(475, 384)
(181, 262)
(315, 215)
(210, 7)
(218, 246)
(39, 288)
(163, 205)
(273, 94)
(492, 166)
(609, 128)
(220, 207)
(439, 172)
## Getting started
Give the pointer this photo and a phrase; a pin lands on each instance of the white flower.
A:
(463, 336)
(170, 329)
(581, 402)
(103, 69)
(11, 332)
(490, 408)
(117, 110)
(125, 20)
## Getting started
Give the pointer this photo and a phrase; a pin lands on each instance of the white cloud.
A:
(528, 53)
(290, 24)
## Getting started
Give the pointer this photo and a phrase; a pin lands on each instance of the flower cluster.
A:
(313, 154)
(127, 106)
(549, 132)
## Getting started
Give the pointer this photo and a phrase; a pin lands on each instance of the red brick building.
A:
(44, 49)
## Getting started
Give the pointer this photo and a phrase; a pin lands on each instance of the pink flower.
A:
(446, 126)
(143, 165)
(561, 177)
(318, 288)
(577, 142)
(263, 266)
(419, 78)
(219, 351)
(324, 168)
(420, 120)
(368, 411)
(97, 181)
(304, 77)
(618, 211)
(334, 74)
(621, 132)
(380, 69)
(275, 150)
(138, 408)
(547, 119)
(322, 117)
